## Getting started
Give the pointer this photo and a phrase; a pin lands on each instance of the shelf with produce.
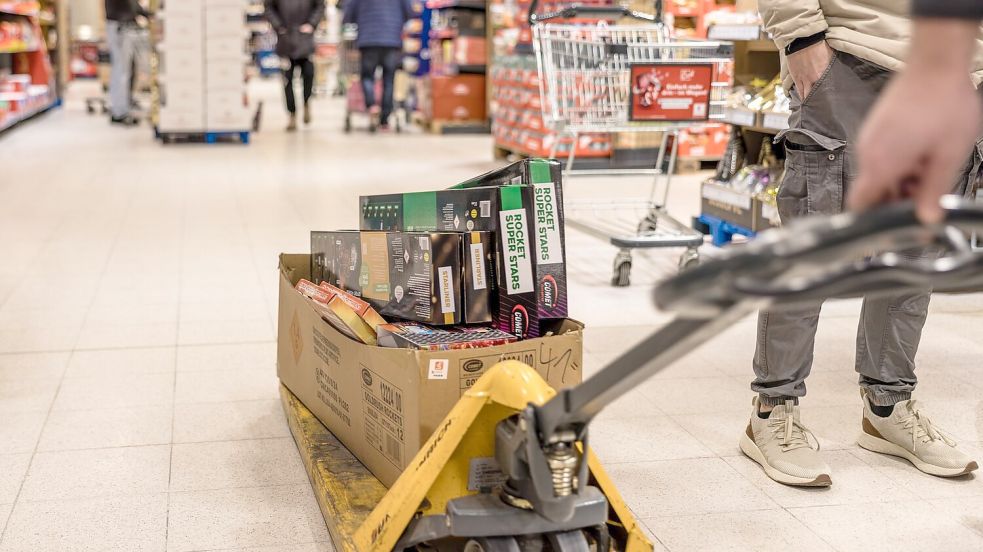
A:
(28, 9)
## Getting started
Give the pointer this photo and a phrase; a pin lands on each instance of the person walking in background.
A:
(380, 43)
(838, 55)
(121, 22)
(294, 22)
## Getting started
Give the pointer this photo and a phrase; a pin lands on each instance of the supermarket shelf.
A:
(27, 9)
(18, 50)
(466, 4)
(5, 126)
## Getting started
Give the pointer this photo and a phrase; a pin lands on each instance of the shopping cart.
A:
(633, 77)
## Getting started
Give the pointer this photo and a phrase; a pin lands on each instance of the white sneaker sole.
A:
(876, 444)
(750, 448)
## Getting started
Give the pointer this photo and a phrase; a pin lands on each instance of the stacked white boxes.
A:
(202, 66)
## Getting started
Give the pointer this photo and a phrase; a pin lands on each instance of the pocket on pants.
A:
(815, 174)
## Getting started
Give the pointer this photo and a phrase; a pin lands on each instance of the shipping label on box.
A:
(382, 403)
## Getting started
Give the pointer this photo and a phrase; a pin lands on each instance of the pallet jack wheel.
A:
(622, 269)
(497, 544)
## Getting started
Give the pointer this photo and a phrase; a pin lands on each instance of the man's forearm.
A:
(963, 9)
(943, 45)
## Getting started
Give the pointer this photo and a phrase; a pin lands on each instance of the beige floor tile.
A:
(110, 363)
(20, 431)
(238, 518)
(13, 467)
(888, 526)
(5, 510)
(107, 336)
(718, 432)
(737, 532)
(961, 419)
(226, 331)
(643, 439)
(245, 356)
(116, 427)
(140, 313)
(631, 405)
(967, 510)
(226, 385)
(41, 366)
(229, 421)
(686, 487)
(115, 392)
(135, 523)
(854, 482)
(97, 472)
(836, 427)
(234, 464)
(657, 545)
(33, 340)
(698, 395)
(27, 396)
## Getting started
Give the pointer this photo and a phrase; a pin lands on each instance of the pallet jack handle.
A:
(810, 260)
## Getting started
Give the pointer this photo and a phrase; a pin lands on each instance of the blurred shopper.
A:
(121, 30)
(911, 142)
(380, 43)
(837, 57)
(294, 22)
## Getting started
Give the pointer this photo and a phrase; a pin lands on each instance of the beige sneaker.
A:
(784, 447)
(909, 434)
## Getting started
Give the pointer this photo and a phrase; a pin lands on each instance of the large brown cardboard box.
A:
(454, 98)
(382, 403)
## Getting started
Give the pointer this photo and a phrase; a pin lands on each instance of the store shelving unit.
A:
(452, 82)
(28, 83)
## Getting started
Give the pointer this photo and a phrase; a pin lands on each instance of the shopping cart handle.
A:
(578, 10)
(833, 257)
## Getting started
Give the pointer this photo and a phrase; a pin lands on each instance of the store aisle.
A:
(138, 396)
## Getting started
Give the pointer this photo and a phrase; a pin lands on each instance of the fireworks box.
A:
(410, 335)
(381, 403)
(410, 275)
(472, 211)
(532, 261)
(339, 312)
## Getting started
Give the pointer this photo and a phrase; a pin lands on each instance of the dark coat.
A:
(287, 16)
(380, 22)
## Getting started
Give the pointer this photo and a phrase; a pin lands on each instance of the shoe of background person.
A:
(786, 450)
(307, 114)
(126, 120)
(909, 434)
(292, 123)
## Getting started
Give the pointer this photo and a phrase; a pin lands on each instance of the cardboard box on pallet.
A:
(532, 259)
(384, 403)
(409, 275)
(744, 210)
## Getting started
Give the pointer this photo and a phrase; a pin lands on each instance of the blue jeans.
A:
(374, 57)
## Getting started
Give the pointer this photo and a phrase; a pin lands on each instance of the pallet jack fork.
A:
(554, 495)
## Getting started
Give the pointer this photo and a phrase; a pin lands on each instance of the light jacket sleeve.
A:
(787, 20)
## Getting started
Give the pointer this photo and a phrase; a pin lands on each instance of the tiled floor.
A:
(138, 395)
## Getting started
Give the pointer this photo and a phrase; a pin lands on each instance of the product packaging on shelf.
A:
(410, 275)
(384, 403)
(532, 258)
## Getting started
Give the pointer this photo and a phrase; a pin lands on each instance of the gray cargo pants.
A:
(818, 143)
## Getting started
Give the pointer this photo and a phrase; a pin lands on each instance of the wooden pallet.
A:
(438, 126)
(241, 137)
(345, 489)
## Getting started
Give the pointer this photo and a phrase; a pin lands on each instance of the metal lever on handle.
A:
(578, 10)
(824, 257)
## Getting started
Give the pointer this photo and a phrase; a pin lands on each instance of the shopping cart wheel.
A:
(622, 269)
(89, 108)
(348, 122)
(689, 259)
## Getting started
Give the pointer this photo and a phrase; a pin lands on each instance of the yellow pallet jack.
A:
(556, 496)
